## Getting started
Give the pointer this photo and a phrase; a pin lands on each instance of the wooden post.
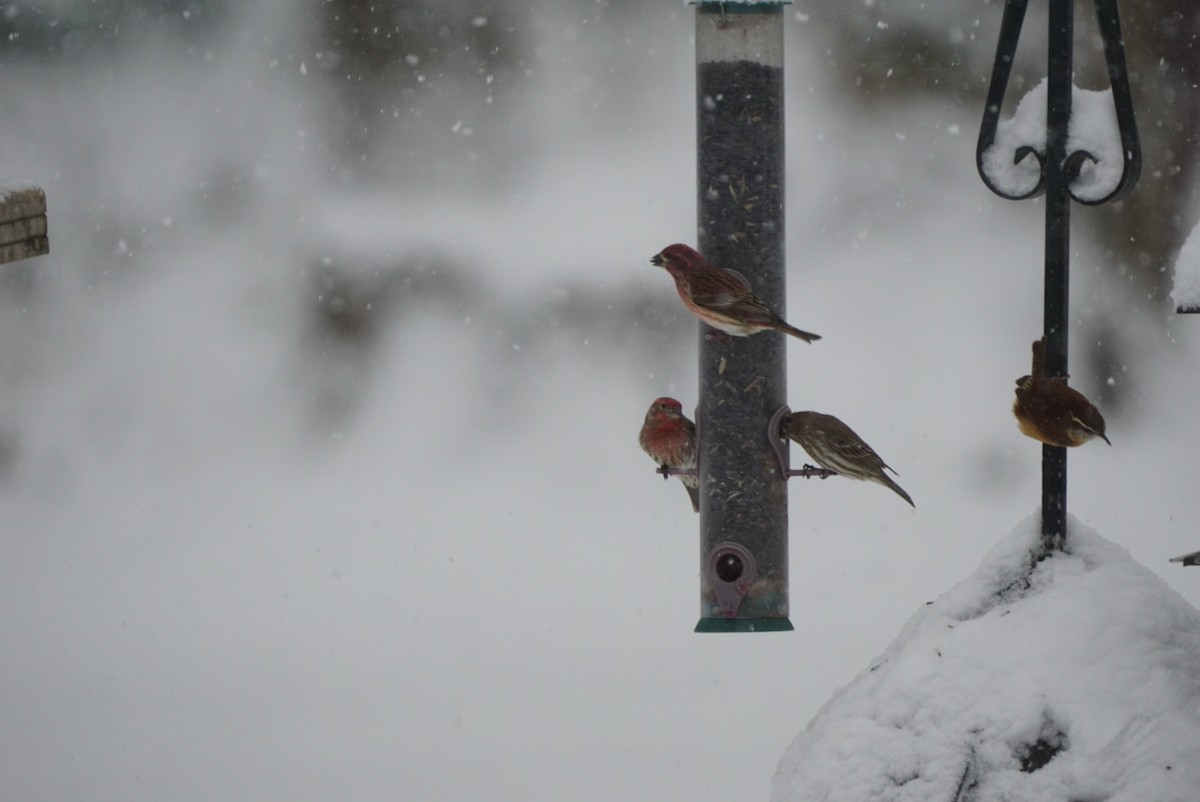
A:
(23, 231)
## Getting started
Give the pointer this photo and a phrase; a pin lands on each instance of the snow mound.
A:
(1073, 678)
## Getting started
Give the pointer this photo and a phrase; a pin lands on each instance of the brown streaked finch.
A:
(1050, 411)
(836, 447)
(670, 440)
(720, 297)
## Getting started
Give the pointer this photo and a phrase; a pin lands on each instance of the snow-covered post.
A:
(1071, 165)
(22, 222)
(1186, 291)
(739, 132)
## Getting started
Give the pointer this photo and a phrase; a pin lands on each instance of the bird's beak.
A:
(1106, 439)
(657, 260)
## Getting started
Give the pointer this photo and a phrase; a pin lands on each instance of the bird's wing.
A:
(728, 292)
(719, 288)
(751, 310)
(739, 278)
(688, 426)
(856, 448)
(844, 440)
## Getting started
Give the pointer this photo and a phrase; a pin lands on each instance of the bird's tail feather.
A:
(807, 336)
(1038, 370)
(897, 489)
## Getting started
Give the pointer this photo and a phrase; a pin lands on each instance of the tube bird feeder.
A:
(740, 218)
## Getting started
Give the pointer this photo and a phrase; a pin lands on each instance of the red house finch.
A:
(835, 447)
(720, 297)
(670, 440)
(1048, 410)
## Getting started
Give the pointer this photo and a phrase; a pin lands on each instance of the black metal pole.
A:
(740, 183)
(1058, 236)
(1059, 168)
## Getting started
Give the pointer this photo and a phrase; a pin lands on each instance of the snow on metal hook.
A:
(1102, 160)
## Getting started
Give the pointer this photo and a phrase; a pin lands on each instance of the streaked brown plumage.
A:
(720, 297)
(669, 437)
(836, 447)
(1050, 411)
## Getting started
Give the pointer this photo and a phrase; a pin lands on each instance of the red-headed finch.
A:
(670, 440)
(720, 297)
(836, 447)
(1048, 410)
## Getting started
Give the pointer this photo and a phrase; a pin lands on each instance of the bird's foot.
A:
(809, 471)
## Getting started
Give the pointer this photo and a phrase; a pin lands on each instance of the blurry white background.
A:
(318, 462)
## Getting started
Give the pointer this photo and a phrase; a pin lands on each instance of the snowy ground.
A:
(236, 563)
(1074, 678)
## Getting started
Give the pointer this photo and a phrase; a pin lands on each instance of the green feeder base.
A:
(744, 625)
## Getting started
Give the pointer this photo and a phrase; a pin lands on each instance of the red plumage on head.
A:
(669, 437)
